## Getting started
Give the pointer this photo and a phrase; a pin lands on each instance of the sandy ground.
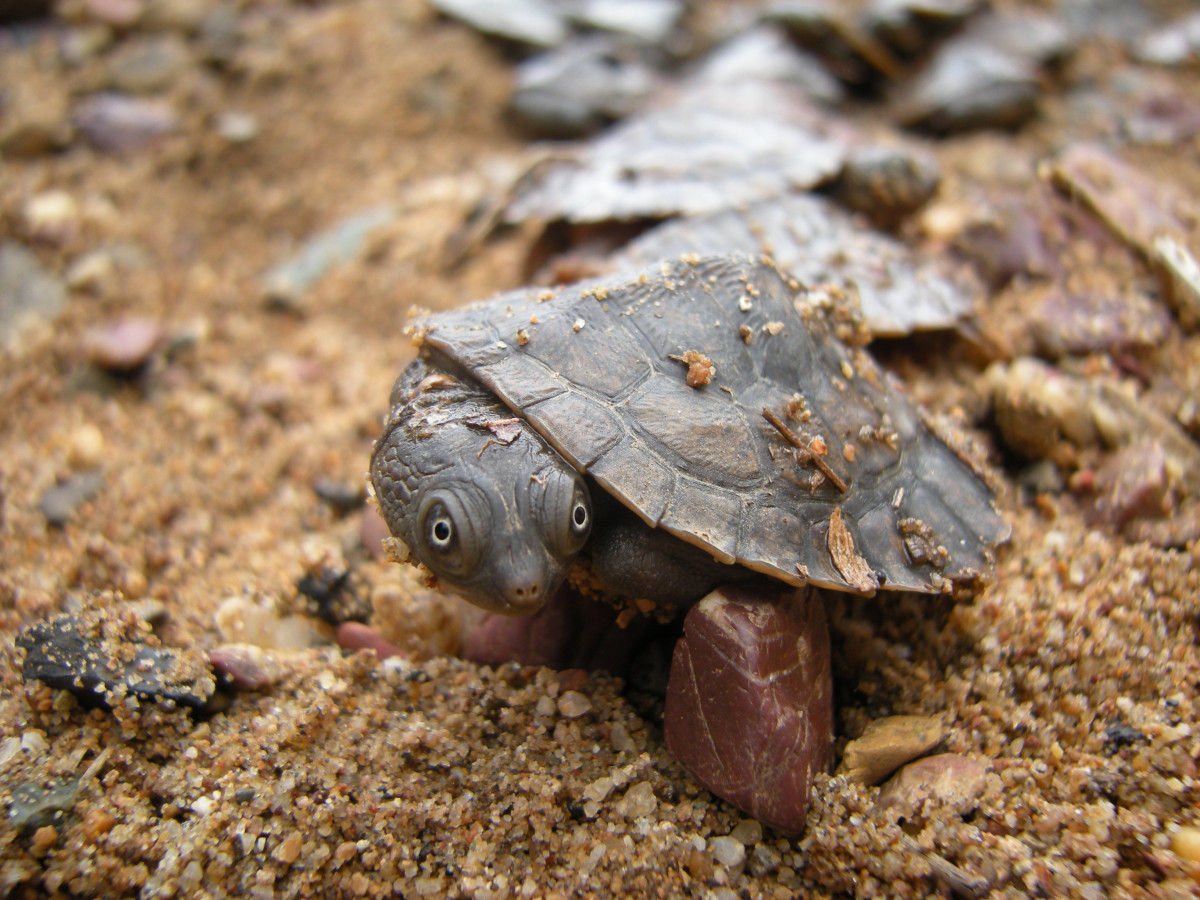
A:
(1073, 678)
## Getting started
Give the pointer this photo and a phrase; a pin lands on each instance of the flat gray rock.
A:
(716, 146)
(28, 293)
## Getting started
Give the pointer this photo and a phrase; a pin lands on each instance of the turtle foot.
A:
(749, 709)
(570, 632)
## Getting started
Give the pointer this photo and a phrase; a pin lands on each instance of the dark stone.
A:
(580, 87)
(342, 496)
(749, 709)
(37, 804)
(888, 184)
(335, 596)
(1121, 735)
(101, 655)
(59, 503)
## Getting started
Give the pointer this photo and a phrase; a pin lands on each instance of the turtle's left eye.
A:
(566, 513)
(581, 517)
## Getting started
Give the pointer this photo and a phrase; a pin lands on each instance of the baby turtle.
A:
(733, 414)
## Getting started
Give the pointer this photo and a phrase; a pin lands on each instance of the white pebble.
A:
(748, 832)
(639, 801)
(621, 740)
(573, 704)
(728, 851)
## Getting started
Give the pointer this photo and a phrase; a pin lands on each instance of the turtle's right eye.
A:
(449, 529)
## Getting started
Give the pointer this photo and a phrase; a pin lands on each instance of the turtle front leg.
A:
(749, 709)
(632, 560)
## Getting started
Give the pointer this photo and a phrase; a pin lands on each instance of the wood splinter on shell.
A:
(846, 559)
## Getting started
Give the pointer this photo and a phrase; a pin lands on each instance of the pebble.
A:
(38, 804)
(1133, 205)
(85, 447)
(1132, 483)
(119, 14)
(28, 293)
(947, 779)
(118, 123)
(1175, 44)
(91, 271)
(35, 118)
(219, 35)
(1079, 322)
(580, 87)
(286, 283)
(1185, 843)
(1038, 409)
(334, 595)
(1005, 243)
(241, 620)
(764, 860)
(58, 504)
(757, 665)
(748, 831)
(888, 184)
(638, 802)
(534, 22)
(51, 216)
(237, 127)
(969, 85)
(839, 37)
(715, 147)
(177, 15)
(728, 851)
(124, 347)
(621, 741)
(101, 655)
(765, 53)
(1180, 275)
(888, 743)
(343, 497)
(82, 43)
(148, 65)
(650, 21)
(909, 25)
(573, 704)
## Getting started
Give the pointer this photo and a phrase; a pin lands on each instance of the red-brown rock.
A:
(749, 709)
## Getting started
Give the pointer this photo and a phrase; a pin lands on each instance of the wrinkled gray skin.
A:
(480, 499)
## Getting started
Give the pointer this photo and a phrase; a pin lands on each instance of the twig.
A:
(805, 454)
(959, 880)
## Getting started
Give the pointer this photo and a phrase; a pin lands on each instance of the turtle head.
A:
(497, 523)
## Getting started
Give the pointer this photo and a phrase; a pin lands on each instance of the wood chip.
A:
(846, 560)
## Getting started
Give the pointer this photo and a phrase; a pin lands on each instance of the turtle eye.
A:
(449, 528)
(581, 517)
(441, 532)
